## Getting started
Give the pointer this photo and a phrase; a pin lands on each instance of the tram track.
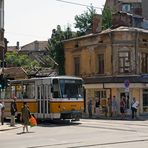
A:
(110, 143)
(90, 145)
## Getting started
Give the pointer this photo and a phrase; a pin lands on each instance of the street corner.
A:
(6, 126)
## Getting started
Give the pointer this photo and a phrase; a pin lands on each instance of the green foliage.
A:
(17, 60)
(84, 21)
(106, 18)
(56, 49)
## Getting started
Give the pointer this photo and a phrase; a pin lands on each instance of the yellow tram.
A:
(58, 97)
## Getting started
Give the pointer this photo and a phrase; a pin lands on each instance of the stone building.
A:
(2, 41)
(144, 9)
(36, 50)
(129, 6)
(107, 61)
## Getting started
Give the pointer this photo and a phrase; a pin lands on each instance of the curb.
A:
(9, 128)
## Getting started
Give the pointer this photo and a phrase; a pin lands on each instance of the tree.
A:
(17, 60)
(84, 21)
(106, 18)
(56, 49)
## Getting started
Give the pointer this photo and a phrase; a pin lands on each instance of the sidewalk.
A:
(7, 126)
(118, 117)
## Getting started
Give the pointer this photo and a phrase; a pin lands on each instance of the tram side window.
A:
(28, 91)
(56, 91)
(16, 91)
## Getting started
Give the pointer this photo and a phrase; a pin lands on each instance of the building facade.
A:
(37, 50)
(2, 43)
(134, 7)
(107, 61)
(144, 9)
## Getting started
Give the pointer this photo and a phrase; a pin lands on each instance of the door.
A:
(127, 101)
(43, 99)
(145, 100)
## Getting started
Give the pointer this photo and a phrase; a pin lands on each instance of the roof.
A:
(81, 37)
(35, 46)
(131, 1)
(121, 28)
(14, 72)
(124, 28)
(12, 48)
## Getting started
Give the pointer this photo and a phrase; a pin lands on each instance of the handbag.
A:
(32, 121)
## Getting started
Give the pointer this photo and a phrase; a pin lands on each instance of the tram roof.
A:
(44, 78)
(58, 77)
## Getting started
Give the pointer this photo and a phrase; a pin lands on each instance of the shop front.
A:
(104, 91)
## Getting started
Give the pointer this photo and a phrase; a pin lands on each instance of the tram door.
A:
(43, 99)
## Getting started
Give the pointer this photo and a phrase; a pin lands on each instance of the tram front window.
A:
(71, 88)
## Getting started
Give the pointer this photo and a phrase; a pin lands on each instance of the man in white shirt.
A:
(134, 107)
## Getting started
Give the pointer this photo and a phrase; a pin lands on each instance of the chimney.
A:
(17, 45)
(96, 24)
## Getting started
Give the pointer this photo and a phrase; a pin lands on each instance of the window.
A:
(29, 91)
(126, 7)
(100, 64)
(16, 90)
(71, 88)
(144, 66)
(77, 66)
(100, 94)
(124, 62)
(56, 89)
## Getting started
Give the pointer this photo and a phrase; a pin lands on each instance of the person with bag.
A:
(33, 121)
(13, 112)
(25, 116)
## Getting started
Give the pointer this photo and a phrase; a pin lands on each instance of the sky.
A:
(30, 20)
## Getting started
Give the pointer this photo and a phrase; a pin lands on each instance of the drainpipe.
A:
(111, 42)
(136, 52)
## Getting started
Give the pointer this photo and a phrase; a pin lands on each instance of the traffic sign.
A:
(126, 83)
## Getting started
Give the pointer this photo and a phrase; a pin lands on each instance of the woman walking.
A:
(25, 117)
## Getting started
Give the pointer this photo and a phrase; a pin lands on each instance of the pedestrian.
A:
(97, 106)
(90, 108)
(114, 106)
(105, 107)
(13, 112)
(1, 113)
(134, 107)
(109, 104)
(25, 116)
(122, 107)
